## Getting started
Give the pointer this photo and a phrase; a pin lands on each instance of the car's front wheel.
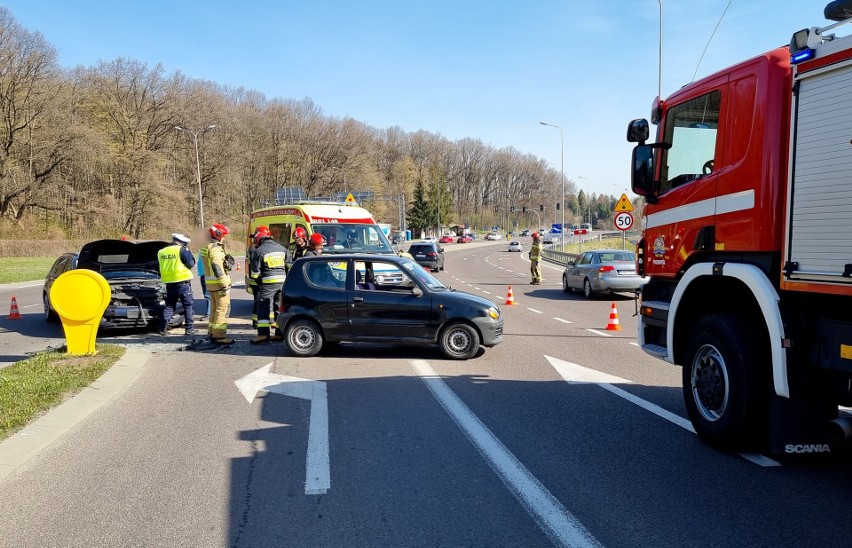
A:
(565, 286)
(49, 315)
(459, 341)
(304, 338)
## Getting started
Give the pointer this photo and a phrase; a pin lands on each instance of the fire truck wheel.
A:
(304, 338)
(722, 382)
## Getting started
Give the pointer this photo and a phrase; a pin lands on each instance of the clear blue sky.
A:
(489, 70)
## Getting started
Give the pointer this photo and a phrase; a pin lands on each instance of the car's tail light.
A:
(431, 254)
(606, 268)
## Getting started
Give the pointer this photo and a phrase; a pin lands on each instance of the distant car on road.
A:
(547, 238)
(602, 270)
(445, 239)
(357, 307)
(515, 246)
(132, 270)
(493, 236)
(428, 255)
(525, 232)
(464, 239)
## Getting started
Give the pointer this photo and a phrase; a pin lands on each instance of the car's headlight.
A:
(494, 313)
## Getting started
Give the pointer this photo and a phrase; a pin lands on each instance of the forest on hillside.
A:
(115, 149)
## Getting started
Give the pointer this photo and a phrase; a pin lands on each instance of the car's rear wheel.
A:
(459, 341)
(49, 314)
(304, 338)
(588, 292)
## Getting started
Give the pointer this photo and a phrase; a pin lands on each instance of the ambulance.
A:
(346, 227)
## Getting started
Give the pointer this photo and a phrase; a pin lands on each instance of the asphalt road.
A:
(565, 434)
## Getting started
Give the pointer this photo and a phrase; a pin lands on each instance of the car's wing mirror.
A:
(416, 291)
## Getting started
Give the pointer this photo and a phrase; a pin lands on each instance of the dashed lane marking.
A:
(560, 526)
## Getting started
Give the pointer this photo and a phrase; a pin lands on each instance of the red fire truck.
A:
(747, 243)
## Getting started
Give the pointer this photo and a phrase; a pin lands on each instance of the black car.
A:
(360, 298)
(132, 271)
(428, 255)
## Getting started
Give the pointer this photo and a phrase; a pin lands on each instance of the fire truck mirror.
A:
(642, 176)
(638, 131)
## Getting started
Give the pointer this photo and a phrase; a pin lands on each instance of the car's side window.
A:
(322, 274)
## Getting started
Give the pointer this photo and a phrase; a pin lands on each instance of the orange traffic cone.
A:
(14, 313)
(238, 266)
(510, 299)
(613, 324)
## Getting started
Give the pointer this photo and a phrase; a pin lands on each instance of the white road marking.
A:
(534, 310)
(577, 374)
(561, 320)
(317, 473)
(601, 333)
(30, 305)
(635, 344)
(487, 292)
(561, 527)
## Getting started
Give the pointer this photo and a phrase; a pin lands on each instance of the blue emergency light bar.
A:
(800, 56)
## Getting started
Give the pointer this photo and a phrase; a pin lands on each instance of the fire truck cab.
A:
(746, 244)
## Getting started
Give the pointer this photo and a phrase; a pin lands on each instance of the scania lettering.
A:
(745, 243)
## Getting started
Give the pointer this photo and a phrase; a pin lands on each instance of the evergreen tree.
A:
(420, 211)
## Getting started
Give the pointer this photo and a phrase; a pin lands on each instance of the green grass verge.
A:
(606, 243)
(25, 269)
(30, 387)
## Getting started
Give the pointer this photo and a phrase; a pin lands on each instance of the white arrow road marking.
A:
(577, 374)
(552, 517)
(317, 475)
(561, 320)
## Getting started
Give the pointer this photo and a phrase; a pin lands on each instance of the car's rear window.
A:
(421, 249)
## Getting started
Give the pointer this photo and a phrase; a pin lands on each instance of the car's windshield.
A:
(416, 271)
(352, 237)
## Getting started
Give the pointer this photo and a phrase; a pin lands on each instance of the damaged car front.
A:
(131, 268)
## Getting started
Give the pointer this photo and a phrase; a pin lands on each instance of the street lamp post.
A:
(195, 135)
(562, 199)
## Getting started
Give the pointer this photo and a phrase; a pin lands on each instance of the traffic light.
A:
(557, 206)
(541, 207)
(524, 209)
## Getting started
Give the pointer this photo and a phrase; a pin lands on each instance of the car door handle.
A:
(357, 299)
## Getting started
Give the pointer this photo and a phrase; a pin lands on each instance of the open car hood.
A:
(119, 255)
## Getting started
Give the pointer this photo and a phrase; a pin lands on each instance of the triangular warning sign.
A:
(624, 204)
(350, 199)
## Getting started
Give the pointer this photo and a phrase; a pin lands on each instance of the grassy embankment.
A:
(30, 387)
(25, 269)
(606, 243)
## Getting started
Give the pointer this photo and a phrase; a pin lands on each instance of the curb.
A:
(21, 446)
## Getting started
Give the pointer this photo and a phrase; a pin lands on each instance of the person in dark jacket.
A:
(176, 263)
(268, 267)
(315, 244)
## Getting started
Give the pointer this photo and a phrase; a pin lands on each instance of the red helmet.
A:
(219, 231)
(300, 233)
(260, 233)
(535, 234)
(317, 239)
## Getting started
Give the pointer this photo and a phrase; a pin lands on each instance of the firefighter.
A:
(316, 242)
(300, 238)
(176, 263)
(268, 267)
(535, 259)
(252, 283)
(218, 280)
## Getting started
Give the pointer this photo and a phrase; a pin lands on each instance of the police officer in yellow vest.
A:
(535, 259)
(176, 262)
(218, 278)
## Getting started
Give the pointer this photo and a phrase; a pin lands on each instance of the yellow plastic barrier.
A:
(80, 298)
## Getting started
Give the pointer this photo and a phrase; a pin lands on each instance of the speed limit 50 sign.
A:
(623, 220)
